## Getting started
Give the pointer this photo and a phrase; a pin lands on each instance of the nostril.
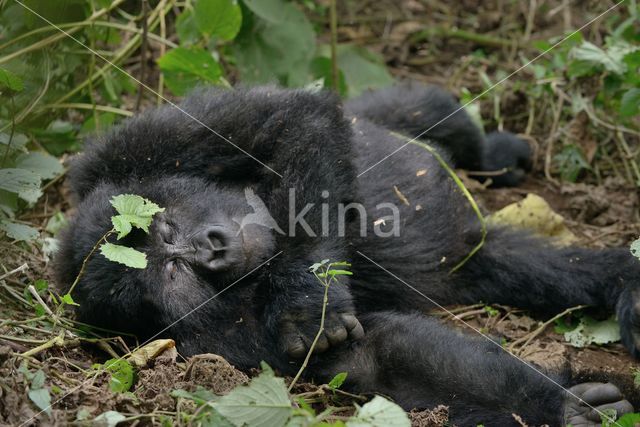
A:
(214, 248)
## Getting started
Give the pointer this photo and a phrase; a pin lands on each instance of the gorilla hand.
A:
(584, 406)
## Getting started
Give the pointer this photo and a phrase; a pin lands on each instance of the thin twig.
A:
(20, 269)
(143, 52)
(333, 18)
(530, 336)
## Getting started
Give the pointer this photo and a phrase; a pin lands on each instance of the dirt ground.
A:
(600, 212)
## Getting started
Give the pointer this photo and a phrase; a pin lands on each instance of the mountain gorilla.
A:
(225, 155)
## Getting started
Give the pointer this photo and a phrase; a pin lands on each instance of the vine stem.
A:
(467, 194)
(84, 261)
(325, 300)
(333, 18)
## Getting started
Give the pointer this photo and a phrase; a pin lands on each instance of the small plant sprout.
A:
(132, 211)
(326, 275)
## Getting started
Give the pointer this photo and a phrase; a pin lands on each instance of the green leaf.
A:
(338, 380)
(41, 285)
(186, 28)
(263, 403)
(42, 399)
(362, 69)
(122, 375)
(42, 164)
(219, 18)
(17, 231)
(334, 272)
(630, 102)
(628, 420)
(591, 331)
(135, 211)
(18, 180)
(611, 59)
(635, 248)
(108, 419)
(380, 412)
(67, 299)
(132, 204)
(185, 68)
(122, 225)
(269, 10)
(38, 380)
(268, 51)
(10, 81)
(124, 255)
(201, 396)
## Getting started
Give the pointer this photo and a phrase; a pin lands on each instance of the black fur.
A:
(166, 156)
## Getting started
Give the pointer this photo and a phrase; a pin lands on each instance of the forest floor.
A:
(600, 211)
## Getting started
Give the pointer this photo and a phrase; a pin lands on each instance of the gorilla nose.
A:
(216, 248)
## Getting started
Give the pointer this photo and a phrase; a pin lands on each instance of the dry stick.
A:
(46, 308)
(58, 341)
(20, 269)
(527, 338)
(333, 17)
(143, 53)
(163, 34)
(325, 300)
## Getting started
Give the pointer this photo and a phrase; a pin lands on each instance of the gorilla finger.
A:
(601, 394)
(622, 407)
(349, 320)
(336, 334)
(322, 344)
(579, 389)
(296, 347)
(357, 332)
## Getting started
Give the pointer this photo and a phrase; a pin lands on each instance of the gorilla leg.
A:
(414, 109)
(420, 363)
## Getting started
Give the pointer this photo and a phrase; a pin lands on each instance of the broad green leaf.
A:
(18, 180)
(267, 52)
(18, 231)
(591, 331)
(269, 10)
(321, 67)
(42, 164)
(41, 285)
(333, 272)
(362, 69)
(611, 58)
(218, 18)
(108, 419)
(630, 102)
(380, 412)
(186, 28)
(132, 204)
(263, 403)
(635, 248)
(338, 380)
(124, 255)
(122, 375)
(185, 68)
(18, 141)
(42, 399)
(122, 225)
(10, 81)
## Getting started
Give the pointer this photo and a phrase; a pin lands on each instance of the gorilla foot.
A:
(298, 337)
(580, 412)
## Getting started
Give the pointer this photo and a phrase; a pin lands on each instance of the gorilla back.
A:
(258, 184)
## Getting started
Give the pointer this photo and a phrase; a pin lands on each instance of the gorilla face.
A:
(194, 249)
